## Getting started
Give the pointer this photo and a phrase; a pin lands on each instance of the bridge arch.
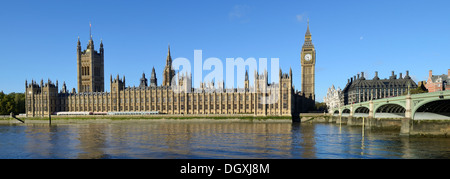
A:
(346, 112)
(389, 110)
(389, 103)
(361, 111)
(437, 108)
(336, 112)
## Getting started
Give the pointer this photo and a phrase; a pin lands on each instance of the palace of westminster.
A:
(49, 99)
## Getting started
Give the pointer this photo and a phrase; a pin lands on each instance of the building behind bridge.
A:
(438, 82)
(359, 89)
(334, 98)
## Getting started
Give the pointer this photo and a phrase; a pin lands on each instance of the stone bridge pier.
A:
(407, 120)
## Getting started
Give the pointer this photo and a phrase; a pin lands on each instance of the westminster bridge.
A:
(409, 108)
(435, 105)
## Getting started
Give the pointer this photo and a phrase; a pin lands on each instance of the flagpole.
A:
(90, 30)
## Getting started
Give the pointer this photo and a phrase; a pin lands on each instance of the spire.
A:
(168, 47)
(307, 29)
(78, 45)
(153, 72)
(64, 88)
(308, 42)
(290, 72)
(143, 81)
(169, 58)
(168, 73)
(246, 75)
(102, 51)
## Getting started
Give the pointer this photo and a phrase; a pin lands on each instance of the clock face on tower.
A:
(308, 57)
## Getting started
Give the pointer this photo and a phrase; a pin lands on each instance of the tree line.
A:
(12, 102)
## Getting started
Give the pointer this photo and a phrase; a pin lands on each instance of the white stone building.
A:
(333, 98)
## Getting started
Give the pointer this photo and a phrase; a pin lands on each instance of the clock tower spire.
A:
(307, 34)
(308, 62)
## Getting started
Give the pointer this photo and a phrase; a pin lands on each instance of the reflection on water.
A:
(212, 139)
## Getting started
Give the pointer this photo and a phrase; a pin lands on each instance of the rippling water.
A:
(211, 139)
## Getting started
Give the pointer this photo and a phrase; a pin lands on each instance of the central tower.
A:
(168, 71)
(90, 71)
(308, 62)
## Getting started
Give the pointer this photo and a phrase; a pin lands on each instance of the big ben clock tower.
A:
(308, 61)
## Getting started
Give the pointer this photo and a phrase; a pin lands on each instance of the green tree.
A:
(321, 106)
(19, 100)
(420, 89)
(3, 102)
(13, 102)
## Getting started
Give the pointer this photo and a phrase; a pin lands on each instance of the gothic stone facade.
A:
(44, 99)
(333, 98)
(90, 71)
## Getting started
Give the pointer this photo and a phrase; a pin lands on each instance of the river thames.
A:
(212, 139)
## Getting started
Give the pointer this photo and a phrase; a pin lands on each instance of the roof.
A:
(439, 78)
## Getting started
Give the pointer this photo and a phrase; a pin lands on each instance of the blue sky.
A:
(38, 38)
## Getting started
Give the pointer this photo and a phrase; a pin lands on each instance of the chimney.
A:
(376, 76)
(401, 76)
(407, 75)
(393, 76)
(358, 76)
(448, 72)
(430, 73)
